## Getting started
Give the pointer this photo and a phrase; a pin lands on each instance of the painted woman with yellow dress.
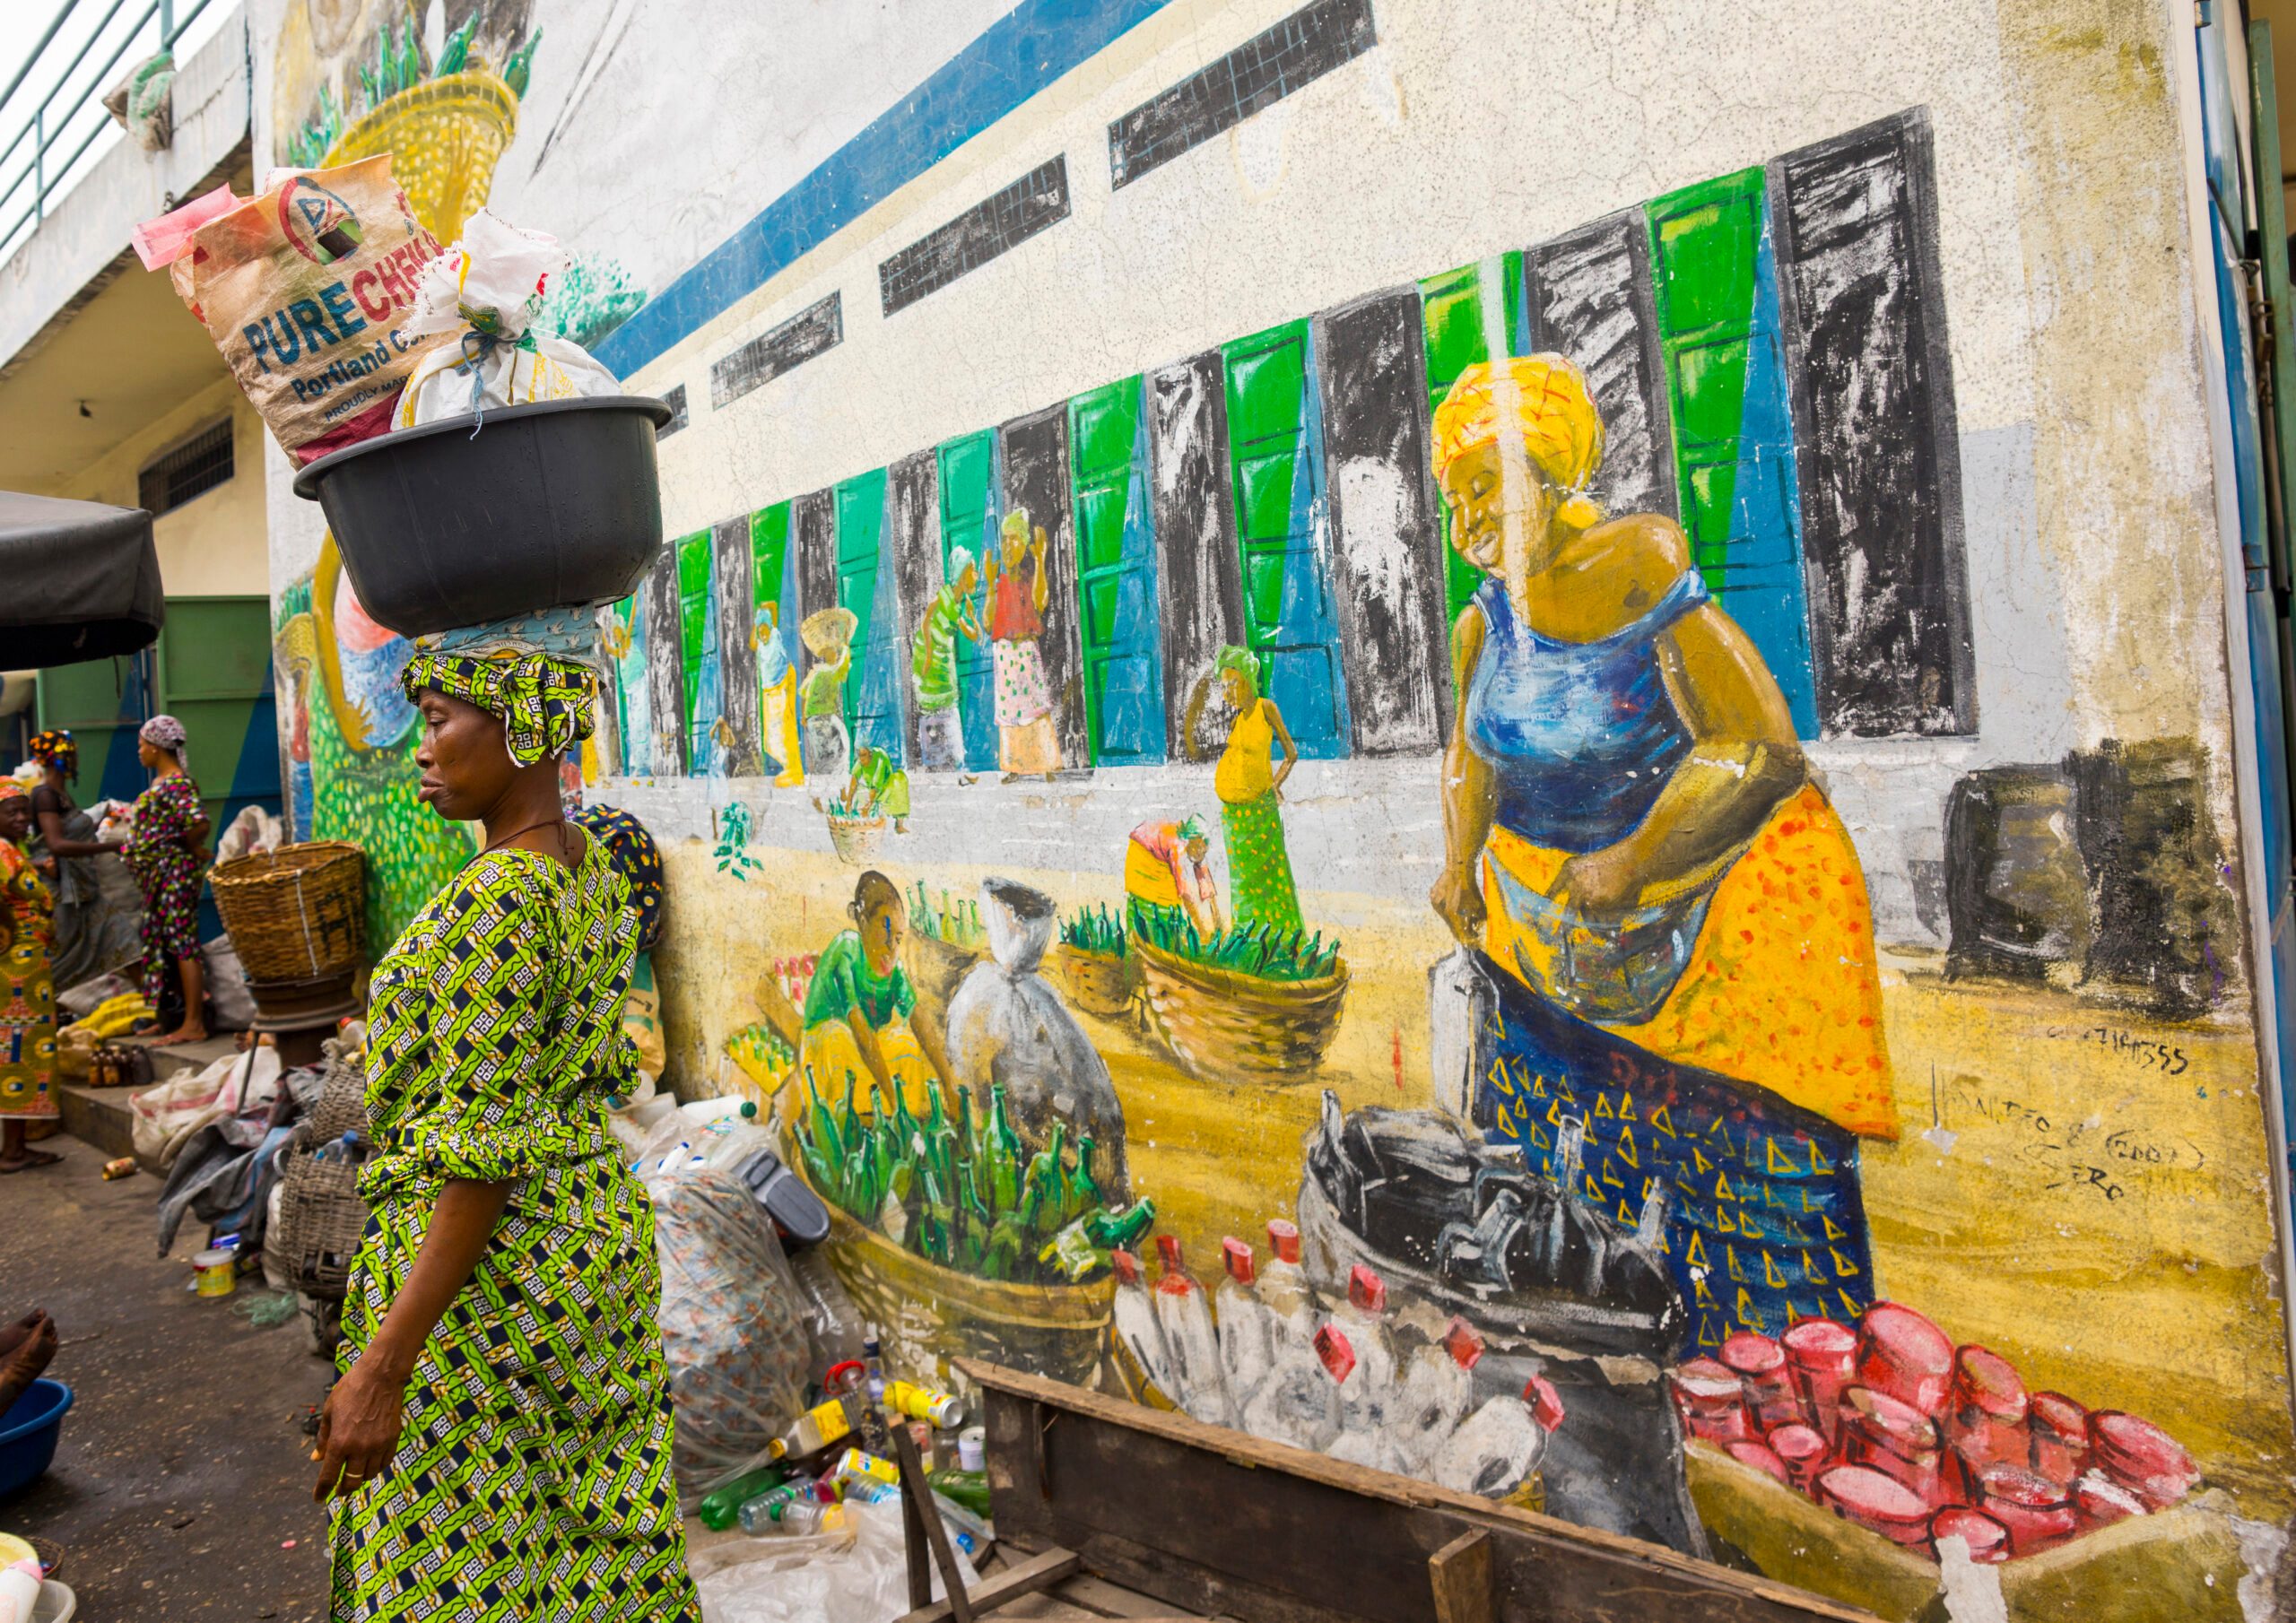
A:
(1632, 838)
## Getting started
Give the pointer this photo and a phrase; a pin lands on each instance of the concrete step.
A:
(100, 1116)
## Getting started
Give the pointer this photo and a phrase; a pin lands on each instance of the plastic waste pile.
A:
(1891, 1426)
(1392, 1387)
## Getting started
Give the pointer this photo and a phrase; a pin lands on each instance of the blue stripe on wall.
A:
(1035, 43)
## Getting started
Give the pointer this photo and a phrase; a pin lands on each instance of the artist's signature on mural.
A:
(2143, 1053)
(2082, 1155)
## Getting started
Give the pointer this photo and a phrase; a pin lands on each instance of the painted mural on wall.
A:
(1558, 1190)
(1686, 1150)
(349, 81)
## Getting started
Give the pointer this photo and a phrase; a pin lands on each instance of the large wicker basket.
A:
(296, 913)
(858, 839)
(937, 968)
(1225, 1026)
(1099, 982)
(321, 1217)
(932, 1314)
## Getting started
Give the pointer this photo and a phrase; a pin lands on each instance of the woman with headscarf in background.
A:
(1018, 587)
(498, 1448)
(1631, 834)
(1249, 784)
(27, 989)
(95, 931)
(167, 852)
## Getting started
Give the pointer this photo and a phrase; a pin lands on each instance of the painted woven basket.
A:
(932, 1313)
(1225, 1026)
(1099, 982)
(858, 839)
(938, 968)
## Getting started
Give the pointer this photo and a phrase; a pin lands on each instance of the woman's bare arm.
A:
(1470, 797)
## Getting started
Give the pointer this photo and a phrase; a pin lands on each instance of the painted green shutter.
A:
(971, 508)
(1290, 621)
(1116, 574)
(695, 654)
(872, 707)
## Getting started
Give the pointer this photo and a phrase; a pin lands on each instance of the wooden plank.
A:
(1459, 1573)
(916, 1500)
(1215, 1519)
(1031, 1576)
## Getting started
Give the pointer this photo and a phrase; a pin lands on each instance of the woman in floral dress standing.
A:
(165, 852)
(27, 989)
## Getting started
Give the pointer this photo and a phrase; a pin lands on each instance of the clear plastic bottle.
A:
(1298, 1402)
(1283, 1287)
(1191, 1342)
(1437, 1384)
(1136, 1327)
(1496, 1448)
(1247, 1330)
(797, 1517)
(873, 1432)
(1367, 1392)
(837, 1325)
(760, 1509)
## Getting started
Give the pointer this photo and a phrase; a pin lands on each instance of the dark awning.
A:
(78, 581)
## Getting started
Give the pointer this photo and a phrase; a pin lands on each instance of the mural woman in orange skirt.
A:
(1632, 837)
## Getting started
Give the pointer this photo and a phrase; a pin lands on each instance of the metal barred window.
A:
(193, 468)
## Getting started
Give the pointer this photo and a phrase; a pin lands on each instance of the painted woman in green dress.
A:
(1249, 784)
(499, 1445)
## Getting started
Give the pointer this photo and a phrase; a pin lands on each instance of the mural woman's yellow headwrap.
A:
(1545, 398)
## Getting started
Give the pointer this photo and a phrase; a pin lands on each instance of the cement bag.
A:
(306, 289)
(733, 1325)
(1008, 1028)
(483, 295)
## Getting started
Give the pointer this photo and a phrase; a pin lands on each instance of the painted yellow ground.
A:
(2100, 1214)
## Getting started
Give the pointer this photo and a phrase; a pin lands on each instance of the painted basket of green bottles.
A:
(1226, 1024)
(934, 1313)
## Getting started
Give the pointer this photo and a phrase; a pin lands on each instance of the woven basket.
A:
(1099, 982)
(1222, 1025)
(858, 839)
(295, 913)
(321, 1217)
(937, 968)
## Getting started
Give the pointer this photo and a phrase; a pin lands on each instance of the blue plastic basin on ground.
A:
(28, 1433)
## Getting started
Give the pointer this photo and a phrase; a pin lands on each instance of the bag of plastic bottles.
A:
(484, 293)
(733, 1326)
(1008, 1026)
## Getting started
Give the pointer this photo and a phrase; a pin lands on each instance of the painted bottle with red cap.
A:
(1298, 1401)
(1903, 1356)
(1760, 1364)
(1987, 1540)
(1137, 1332)
(1823, 1357)
(1498, 1447)
(1191, 1342)
(1711, 1402)
(2142, 1458)
(1805, 1453)
(1762, 1457)
(1876, 1502)
(1355, 1442)
(1987, 1422)
(1894, 1438)
(2039, 1514)
(1432, 1399)
(1283, 1285)
(1365, 1394)
(1247, 1330)
(2058, 1429)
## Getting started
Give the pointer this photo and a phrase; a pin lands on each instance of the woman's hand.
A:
(1458, 901)
(359, 1430)
(1603, 884)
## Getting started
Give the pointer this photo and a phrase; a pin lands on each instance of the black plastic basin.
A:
(549, 505)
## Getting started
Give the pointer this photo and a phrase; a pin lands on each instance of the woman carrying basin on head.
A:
(1632, 836)
(499, 1445)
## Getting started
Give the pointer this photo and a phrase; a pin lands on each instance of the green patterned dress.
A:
(532, 1481)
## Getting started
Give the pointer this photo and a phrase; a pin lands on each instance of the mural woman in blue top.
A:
(1676, 917)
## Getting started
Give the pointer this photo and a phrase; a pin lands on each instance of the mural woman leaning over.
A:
(1631, 836)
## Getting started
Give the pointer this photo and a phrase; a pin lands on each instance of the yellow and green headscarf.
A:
(536, 672)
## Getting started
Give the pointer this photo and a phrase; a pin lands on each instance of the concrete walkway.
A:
(182, 1469)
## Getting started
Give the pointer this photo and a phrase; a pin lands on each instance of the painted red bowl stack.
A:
(1891, 1426)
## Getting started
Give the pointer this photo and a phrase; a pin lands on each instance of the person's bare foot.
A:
(23, 1364)
(24, 1160)
(189, 1032)
(11, 1336)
